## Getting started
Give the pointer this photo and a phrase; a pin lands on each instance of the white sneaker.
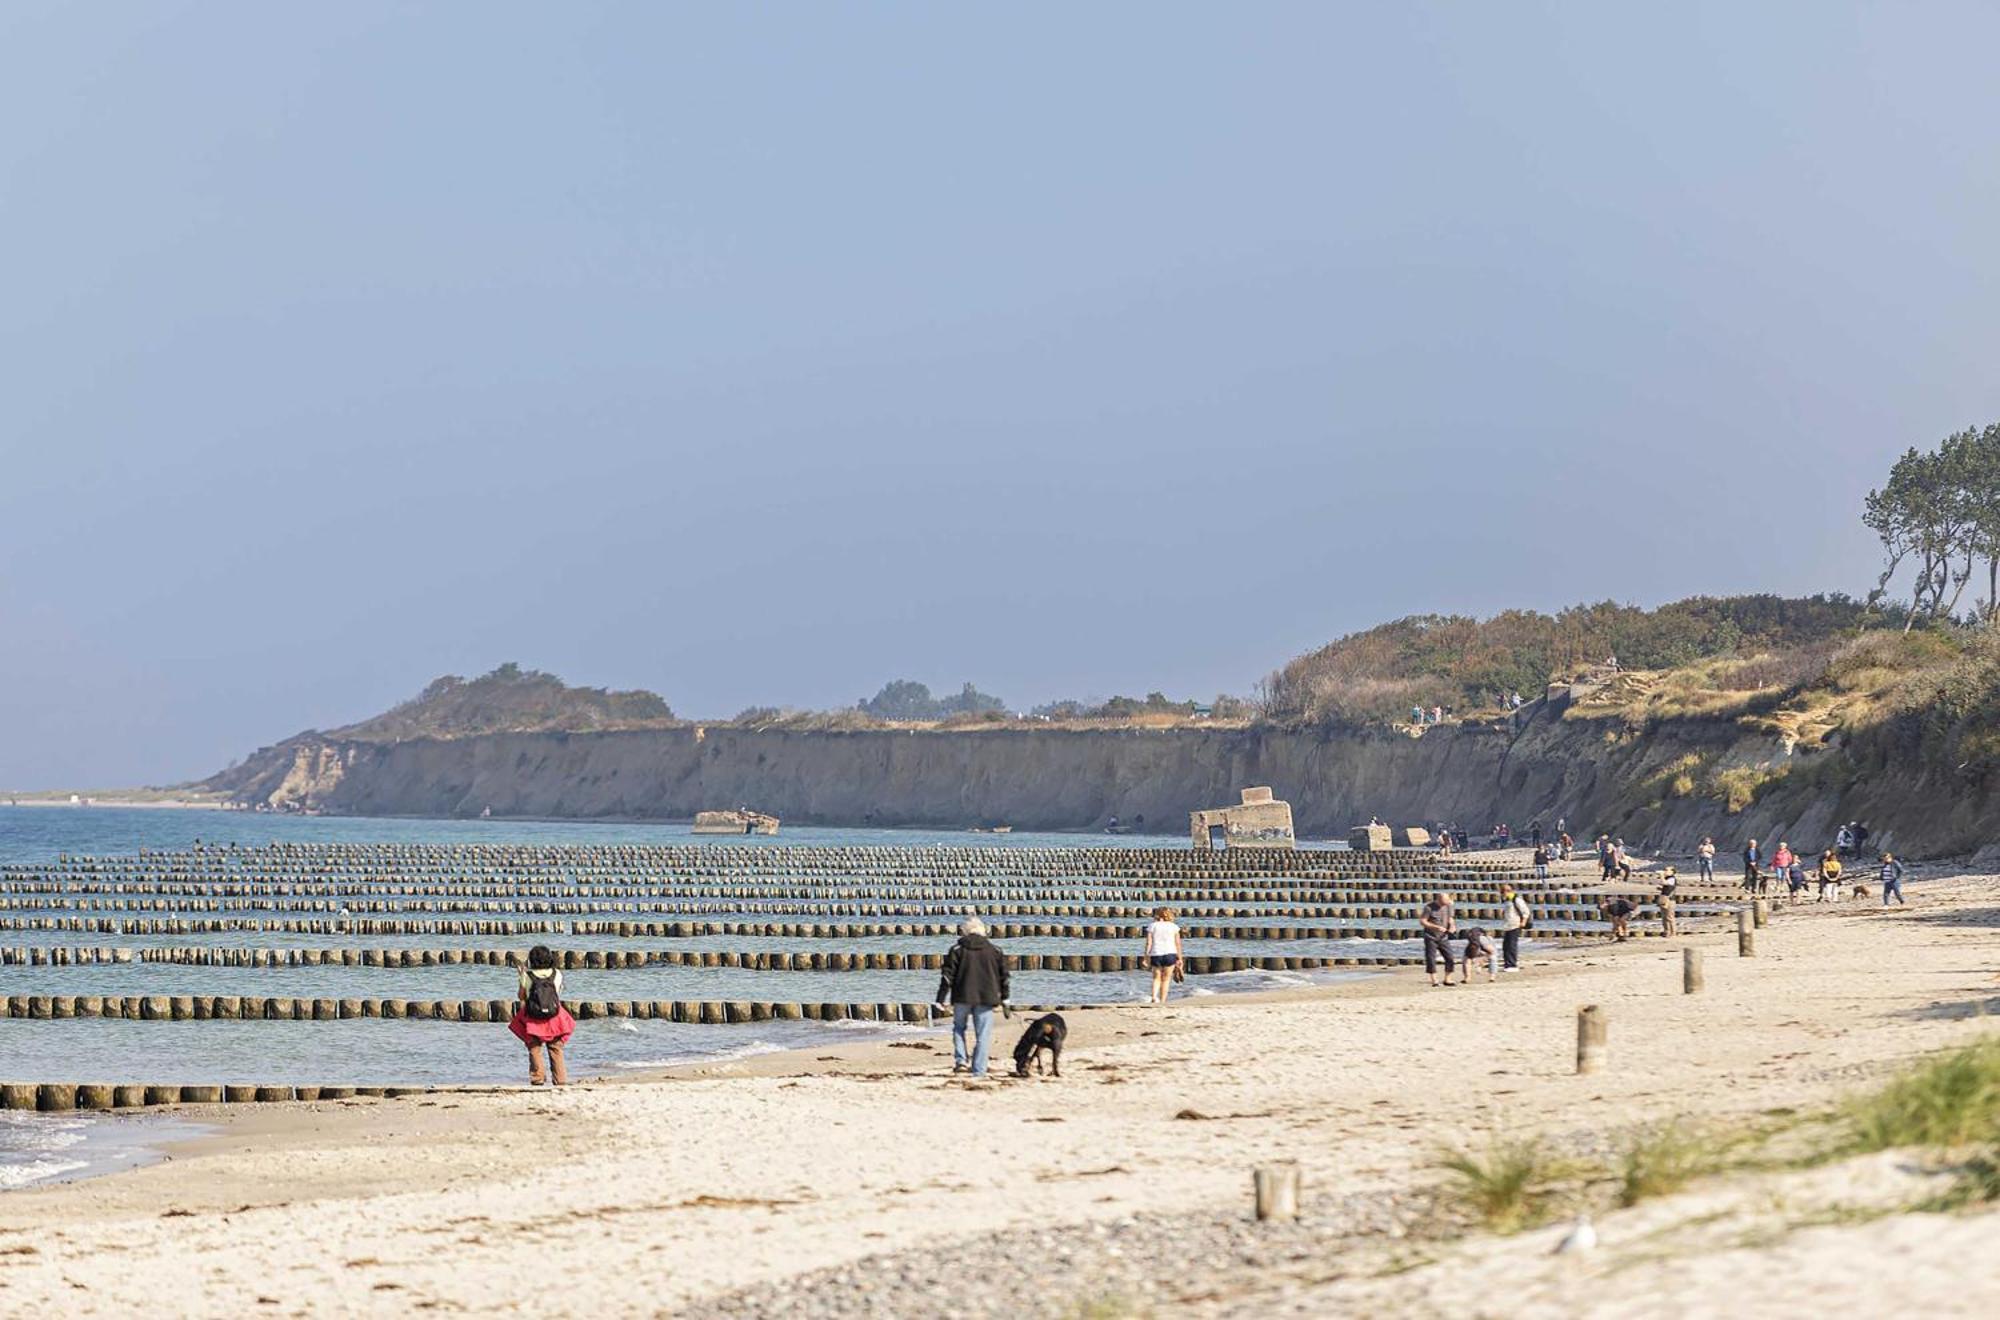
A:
(1510, 969)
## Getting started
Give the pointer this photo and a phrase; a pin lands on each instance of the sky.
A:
(757, 355)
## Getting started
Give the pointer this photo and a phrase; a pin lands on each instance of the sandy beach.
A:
(663, 1195)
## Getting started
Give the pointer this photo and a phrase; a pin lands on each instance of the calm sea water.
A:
(36, 833)
(34, 1148)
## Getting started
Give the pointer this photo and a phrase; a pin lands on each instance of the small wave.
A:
(32, 1148)
(744, 1051)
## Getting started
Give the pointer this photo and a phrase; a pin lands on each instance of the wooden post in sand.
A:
(1746, 934)
(1593, 1039)
(1277, 1188)
(1761, 911)
(1691, 981)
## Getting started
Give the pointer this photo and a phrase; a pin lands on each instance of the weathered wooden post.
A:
(1761, 911)
(1592, 1039)
(1277, 1191)
(1691, 979)
(1746, 934)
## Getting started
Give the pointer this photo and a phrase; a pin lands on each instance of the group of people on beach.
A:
(1437, 922)
(1790, 868)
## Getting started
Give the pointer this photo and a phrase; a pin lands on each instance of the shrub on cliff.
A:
(1459, 662)
(509, 700)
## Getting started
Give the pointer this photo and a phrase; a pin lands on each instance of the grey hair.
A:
(972, 926)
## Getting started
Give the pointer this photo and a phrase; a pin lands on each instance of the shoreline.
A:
(868, 1155)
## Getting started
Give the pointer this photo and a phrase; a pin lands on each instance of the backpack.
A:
(1527, 917)
(543, 1002)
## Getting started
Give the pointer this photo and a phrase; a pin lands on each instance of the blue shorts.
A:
(1165, 959)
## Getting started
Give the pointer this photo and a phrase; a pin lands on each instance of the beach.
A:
(664, 1195)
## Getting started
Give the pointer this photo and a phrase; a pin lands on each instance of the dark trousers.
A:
(1890, 889)
(1435, 947)
(1510, 947)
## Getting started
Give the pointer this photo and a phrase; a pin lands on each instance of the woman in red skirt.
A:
(540, 1017)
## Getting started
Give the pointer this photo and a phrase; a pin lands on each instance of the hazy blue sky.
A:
(759, 354)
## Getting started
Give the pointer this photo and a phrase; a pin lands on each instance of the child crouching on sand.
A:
(1478, 949)
(540, 1018)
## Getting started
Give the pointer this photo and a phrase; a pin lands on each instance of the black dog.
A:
(1044, 1033)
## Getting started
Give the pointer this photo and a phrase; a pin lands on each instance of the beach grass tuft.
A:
(1507, 1184)
(1660, 1160)
(1950, 1101)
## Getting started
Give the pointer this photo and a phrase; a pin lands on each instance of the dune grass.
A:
(1508, 1183)
(1950, 1101)
(1661, 1160)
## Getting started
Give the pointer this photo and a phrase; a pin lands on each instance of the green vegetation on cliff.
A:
(509, 700)
(1458, 662)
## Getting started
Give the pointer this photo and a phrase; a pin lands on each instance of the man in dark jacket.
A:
(974, 982)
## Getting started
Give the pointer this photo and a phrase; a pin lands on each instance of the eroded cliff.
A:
(1665, 784)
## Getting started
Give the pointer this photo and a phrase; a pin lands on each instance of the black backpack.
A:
(543, 1002)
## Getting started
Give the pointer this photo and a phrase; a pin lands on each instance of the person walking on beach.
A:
(1781, 862)
(1541, 862)
(1621, 864)
(540, 1018)
(1515, 919)
(1603, 857)
(1438, 926)
(1753, 857)
(973, 981)
(1704, 858)
(1891, 876)
(1829, 875)
(1163, 953)
(1665, 903)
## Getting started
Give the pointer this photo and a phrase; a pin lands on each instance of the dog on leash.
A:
(1044, 1035)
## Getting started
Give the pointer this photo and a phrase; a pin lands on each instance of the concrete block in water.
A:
(1370, 838)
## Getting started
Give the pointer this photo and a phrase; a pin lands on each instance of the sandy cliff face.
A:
(1600, 775)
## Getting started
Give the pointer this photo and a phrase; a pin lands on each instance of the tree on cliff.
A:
(905, 699)
(1939, 513)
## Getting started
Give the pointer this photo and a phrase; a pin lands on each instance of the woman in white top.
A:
(1163, 953)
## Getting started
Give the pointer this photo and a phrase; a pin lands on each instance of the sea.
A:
(36, 1149)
